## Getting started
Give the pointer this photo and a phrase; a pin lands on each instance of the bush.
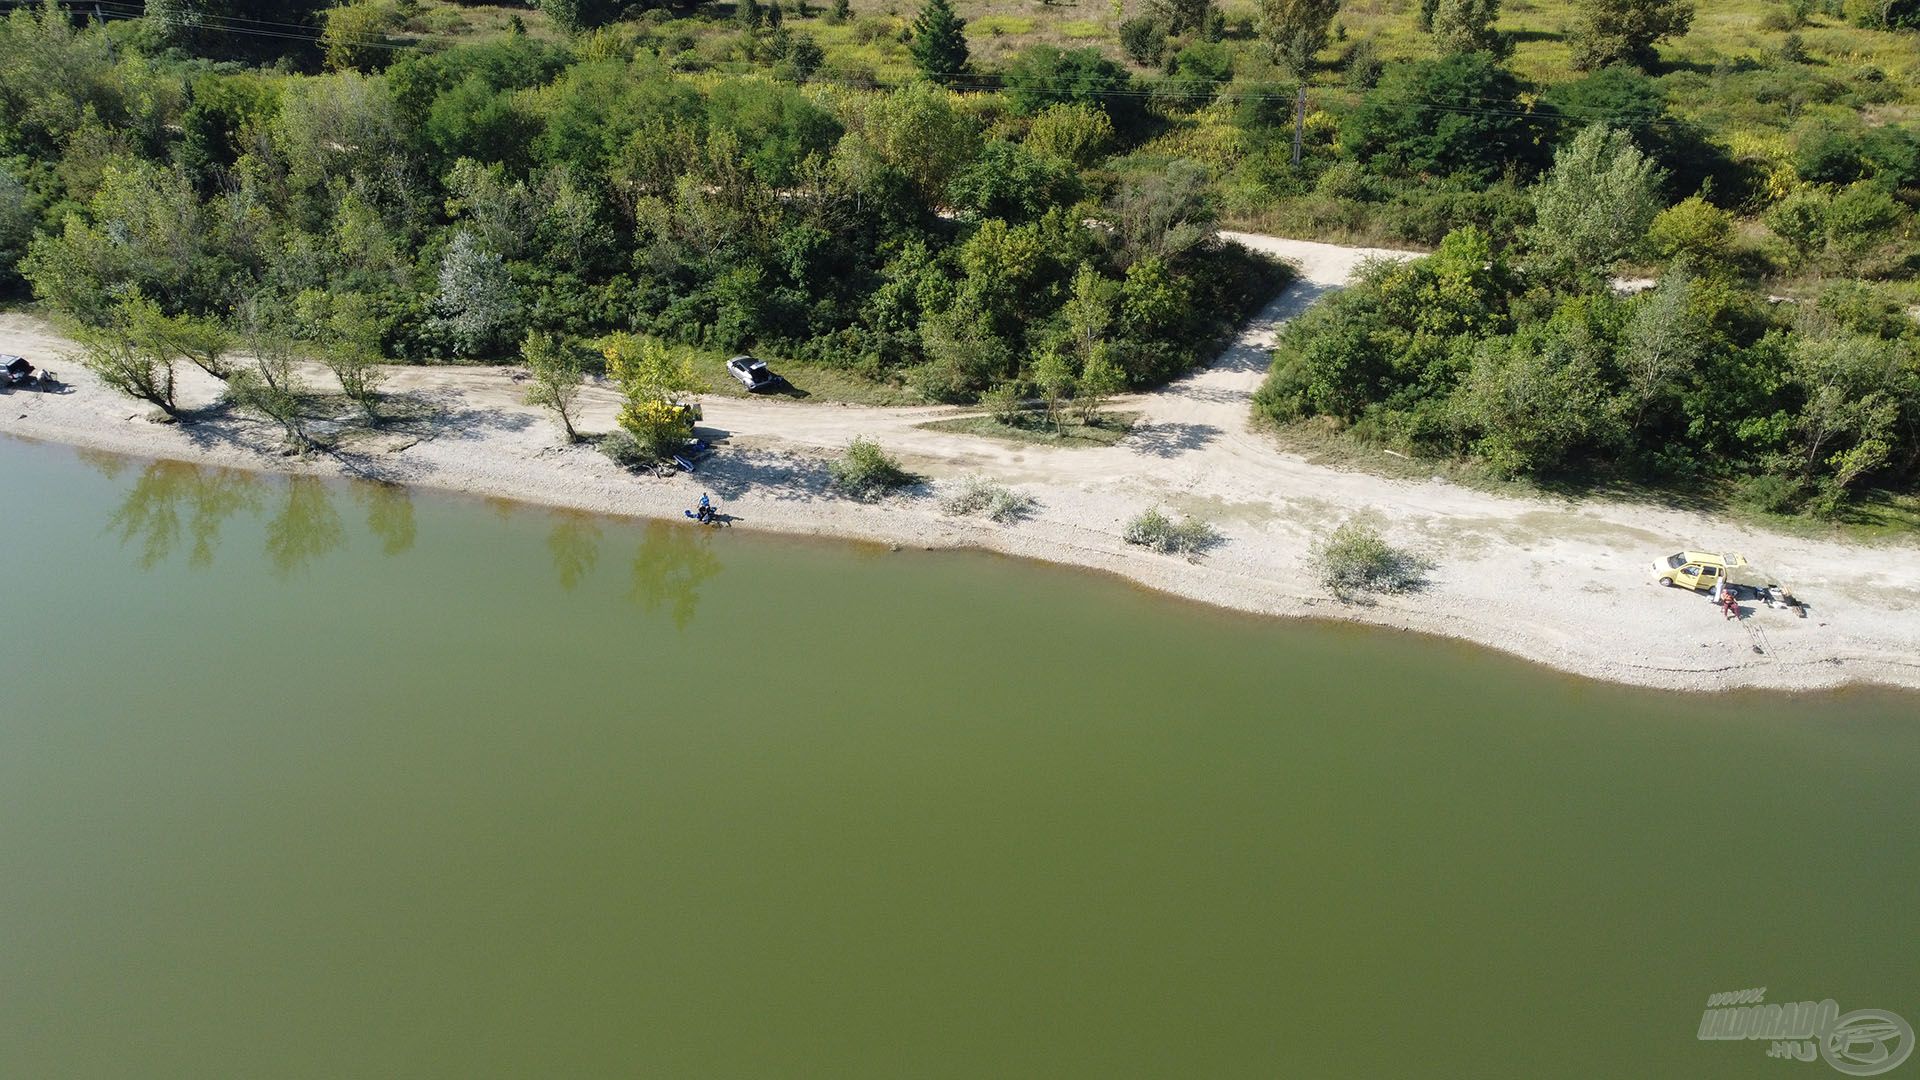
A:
(978, 495)
(625, 451)
(866, 472)
(1354, 560)
(1145, 40)
(1155, 530)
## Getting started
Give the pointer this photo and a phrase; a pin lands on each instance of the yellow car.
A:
(1696, 570)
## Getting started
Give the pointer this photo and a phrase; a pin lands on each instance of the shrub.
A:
(978, 495)
(625, 451)
(867, 472)
(1145, 40)
(1155, 530)
(1354, 560)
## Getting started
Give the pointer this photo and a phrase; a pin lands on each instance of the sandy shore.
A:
(1559, 582)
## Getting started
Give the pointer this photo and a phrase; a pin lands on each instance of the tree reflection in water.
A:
(389, 514)
(575, 544)
(672, 563)
(306, 527)
(167, 491)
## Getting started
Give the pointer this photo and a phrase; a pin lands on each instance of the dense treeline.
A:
(1528, 359)
(454, 201)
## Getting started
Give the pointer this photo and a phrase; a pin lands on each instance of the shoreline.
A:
(1560, 583)
(1167, 576)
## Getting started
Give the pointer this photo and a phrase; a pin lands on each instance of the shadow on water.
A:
(672, 563)
(575, 544)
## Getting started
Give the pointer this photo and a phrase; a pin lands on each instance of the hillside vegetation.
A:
(958, 197)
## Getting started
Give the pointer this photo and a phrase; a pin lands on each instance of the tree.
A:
(1012, 182)
(1043, 75)
(557, 375)
(478, 300)
(1089, 311)
(576, 16)
(1181, 16)
(1459, 115)
(1662, 343)
(939, 41)
(1693, 232)
(124, 364)
(349, 337)
(1166, 213)
(1295, 30)
(16, 223)
(201, 341)
(1466, 26)
(270, 385)
(648, 375)
(1100, 379)
(1595, 206)
(1076, 133)
(1054, 377)
(356, 34)
(1884, 14)
(1624, 31)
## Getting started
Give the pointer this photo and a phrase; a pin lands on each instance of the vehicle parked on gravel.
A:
(1696, 570)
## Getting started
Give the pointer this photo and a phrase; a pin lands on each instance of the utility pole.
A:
(1299, 124)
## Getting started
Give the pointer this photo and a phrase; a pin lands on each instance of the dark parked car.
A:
(753, 373)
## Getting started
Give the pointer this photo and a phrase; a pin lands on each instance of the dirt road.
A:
(1559, 582)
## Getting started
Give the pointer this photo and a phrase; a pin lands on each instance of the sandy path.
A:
(1560, 582)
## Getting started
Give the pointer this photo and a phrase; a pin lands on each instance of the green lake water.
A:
(315, 780)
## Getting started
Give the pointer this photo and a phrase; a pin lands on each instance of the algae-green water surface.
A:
(302, 779)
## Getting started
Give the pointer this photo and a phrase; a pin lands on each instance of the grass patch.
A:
(1001, 25)
(1105, 430)
(1081, 30)
(806, 382)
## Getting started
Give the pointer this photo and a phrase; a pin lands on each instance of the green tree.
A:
(1694, 232)
(356, 34)
(478, 304)
(1459, 115)
(344, 326)
(939, 41)
(576, 16)
(1595, 206)
(1100, 380)
(270, 384)
(1661, 346)
(1166, 213)
(1076, 133)
(1181, 16)
(557, 376)
(1625, 31)
(1465, 26)
(202, 341)
(1089, 311)
(129, 366)
(1053, 376)
(648, 375)
(1296, 30)
(1043, 75)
